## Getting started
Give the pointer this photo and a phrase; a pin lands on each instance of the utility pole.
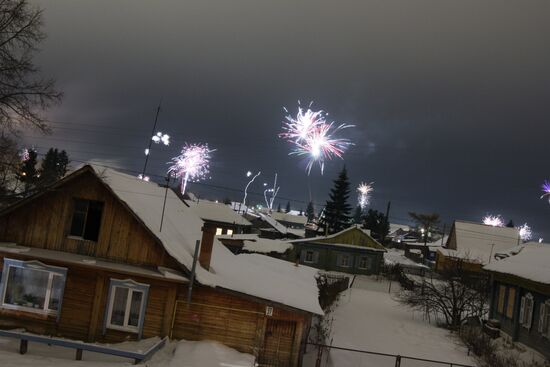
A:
(148, 151)
(387, 220)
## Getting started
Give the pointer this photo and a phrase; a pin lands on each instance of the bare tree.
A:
(24, 94)
(426, 222)
(455, 294)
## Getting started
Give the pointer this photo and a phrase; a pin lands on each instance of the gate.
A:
(278, 344)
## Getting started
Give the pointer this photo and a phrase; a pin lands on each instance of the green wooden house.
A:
(352, 251)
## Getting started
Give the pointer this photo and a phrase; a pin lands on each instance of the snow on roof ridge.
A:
(182, 227)
(532, 262)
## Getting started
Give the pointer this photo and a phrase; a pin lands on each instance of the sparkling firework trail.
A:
(313, 136)
(493, 220)
(248, 174)
(273, 191)
(525, 232)
(24, 155)
(193, 164)
(365, 190)
(546, 190)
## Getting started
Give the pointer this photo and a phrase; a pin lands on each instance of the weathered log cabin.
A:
(520, 295)
(91, 258)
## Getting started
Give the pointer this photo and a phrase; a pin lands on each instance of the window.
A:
(127, 302)
(501, 295)
(219, 231)
(526, 311)
(309, 257)
(86, 219)
(32, 286)
(230, 232)
(511, 300)
(544, 319)
(364, 262)
(344, 261)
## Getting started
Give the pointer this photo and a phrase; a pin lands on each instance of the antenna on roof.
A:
(168, 176)
(148, 150)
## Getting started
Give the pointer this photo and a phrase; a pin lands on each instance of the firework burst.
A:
(314, 137)
(493, 220)
(193, 164)
(525, 232)
(365, 190)
(160, 137)
(546, 190)
(24, 155)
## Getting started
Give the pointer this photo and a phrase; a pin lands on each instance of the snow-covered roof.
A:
(394, 227)
(273, 223)
(478, 242)
(313, 239)
(433, 245)
(530, 261)
(321, 240)
(255, 243)
(256, 275)
(393, 256)
(289, 217)
(217, 212)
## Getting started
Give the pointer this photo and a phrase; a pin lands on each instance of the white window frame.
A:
(526, 311)
(35, 265)
(366, 267)
(133, 287)
(308, 252)
(219, 231)
(347, 262)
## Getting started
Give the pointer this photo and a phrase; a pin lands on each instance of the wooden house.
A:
(92, 258)
(220, 216)
(352, 250)
(520, 295)
(254, 244)
(474, 245)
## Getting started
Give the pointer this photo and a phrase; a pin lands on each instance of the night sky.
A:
(451, 99)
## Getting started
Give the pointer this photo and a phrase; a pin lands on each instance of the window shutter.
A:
(530, 312)
(522, 311)
(542, 316)
(316, 257)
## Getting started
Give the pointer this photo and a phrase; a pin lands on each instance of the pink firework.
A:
(193, 164)
(546, 190)
(313, 136)
(25, 155)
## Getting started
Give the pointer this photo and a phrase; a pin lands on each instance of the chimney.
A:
(207, 242)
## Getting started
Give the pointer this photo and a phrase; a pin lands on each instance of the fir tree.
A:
(510, 224)
(310, 212)
(337, 210)
(287, 210)
(279, 208)
(54, 166)
(28, 173)
(377, 223)
(358, 215)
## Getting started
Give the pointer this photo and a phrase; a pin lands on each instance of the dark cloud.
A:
(450, 100)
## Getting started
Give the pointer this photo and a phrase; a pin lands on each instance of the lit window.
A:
(86, 219)
(32, 286)
(526, 311)
(544, 319)
(127, 300)
(511, 300)
(230, 232)
(219, 231)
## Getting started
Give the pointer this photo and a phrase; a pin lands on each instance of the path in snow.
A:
(368, 318)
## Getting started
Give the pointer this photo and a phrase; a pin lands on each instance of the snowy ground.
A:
(174, 354)
(367, 318)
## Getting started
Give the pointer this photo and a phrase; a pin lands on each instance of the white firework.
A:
(525, 232)
(493, 220)
(365, 190)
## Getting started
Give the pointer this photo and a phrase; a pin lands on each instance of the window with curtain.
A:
(32, 286)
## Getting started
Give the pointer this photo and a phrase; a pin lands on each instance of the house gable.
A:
(352, 236)
(44, 220)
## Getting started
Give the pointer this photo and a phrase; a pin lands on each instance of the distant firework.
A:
(525, 232)
(365, 190)
(546, 190)
(24, 155)
(248, 174)
(314, 137)
(493, 220)
(160, 137)
(193, 164)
